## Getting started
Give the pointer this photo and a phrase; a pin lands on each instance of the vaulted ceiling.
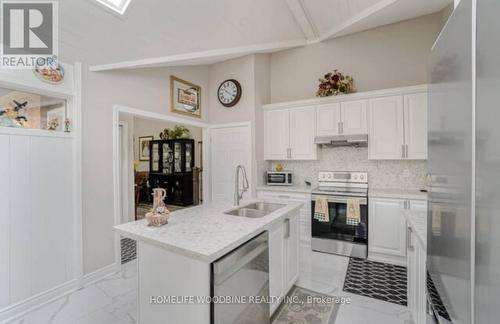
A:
(184, 32)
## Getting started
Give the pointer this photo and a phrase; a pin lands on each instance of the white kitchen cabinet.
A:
(415, 113)
(386, 129)
(398, 127)
(387, 230)
(328, 119)
(302, 132)
(305, 211)
(349, 117)
(277, 134)
(354, 117)
(276, 264)
(283, 257)
(291, 244)
(289, 134)
(417, 292)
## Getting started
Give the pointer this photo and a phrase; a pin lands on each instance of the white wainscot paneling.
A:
(37, 219)
(4, 221)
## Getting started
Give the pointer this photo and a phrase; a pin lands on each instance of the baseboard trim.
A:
(99, 274)
(21, 308)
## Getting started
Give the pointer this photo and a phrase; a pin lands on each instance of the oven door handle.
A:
(362, 201)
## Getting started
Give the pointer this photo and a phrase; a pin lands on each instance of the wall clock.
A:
(229, 92)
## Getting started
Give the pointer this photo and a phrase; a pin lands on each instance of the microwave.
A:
(279, 178)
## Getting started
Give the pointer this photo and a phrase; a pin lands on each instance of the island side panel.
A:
(164, 273)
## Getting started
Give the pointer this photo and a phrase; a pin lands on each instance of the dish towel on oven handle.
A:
(321, 213)
(353, 214)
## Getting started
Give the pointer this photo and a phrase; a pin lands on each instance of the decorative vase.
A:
(158, 216)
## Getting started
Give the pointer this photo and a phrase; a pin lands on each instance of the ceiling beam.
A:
(336, 30)
(303, 19)
(200, 58)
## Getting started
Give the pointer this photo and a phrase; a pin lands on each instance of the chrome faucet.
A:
(237, 193)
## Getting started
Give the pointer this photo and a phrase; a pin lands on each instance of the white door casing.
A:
(231, 145)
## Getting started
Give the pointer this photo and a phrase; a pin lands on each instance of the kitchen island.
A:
(174, 261)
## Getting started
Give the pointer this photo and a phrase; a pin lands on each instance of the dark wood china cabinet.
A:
(171, 166)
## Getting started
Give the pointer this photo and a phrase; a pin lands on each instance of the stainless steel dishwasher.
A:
(238, 279)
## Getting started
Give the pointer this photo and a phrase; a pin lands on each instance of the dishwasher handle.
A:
(229, 264)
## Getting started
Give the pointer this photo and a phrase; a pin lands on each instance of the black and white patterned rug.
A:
(376, 280)
(436, 301)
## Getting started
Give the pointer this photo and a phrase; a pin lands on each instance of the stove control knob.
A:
(362, 177)
(355, 177)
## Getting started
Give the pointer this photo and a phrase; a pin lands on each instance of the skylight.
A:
(118, 6)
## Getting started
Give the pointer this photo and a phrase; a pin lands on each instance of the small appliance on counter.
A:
(279, 178)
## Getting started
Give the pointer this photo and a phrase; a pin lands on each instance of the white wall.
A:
(150, 127)
(143, 89)
(390, 56)
(241, 69)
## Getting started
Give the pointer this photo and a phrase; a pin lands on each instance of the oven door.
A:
(336, 235)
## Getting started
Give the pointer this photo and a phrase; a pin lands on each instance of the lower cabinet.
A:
(417, 292)
(304, 223)
(283, 257)
(387, 228)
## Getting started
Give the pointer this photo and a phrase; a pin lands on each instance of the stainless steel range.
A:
(337, 233)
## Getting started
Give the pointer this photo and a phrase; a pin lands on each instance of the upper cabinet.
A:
(277, 134)
(416, 125)
(398, 127)
(289, 134)
(394, 119)
(342, 118)
(328, 119)
(385, 138)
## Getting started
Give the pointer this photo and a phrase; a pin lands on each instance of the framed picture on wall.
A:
(185, 97)
(144, 147)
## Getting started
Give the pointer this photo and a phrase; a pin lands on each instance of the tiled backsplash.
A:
(381, 174)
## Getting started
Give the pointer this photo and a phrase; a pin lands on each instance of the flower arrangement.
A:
(335, 83)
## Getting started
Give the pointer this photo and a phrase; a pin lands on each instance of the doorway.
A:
(154, 151)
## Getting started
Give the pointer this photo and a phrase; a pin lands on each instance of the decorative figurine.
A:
(67, 125)
(10, 116)
(158, 216)
(53, 124)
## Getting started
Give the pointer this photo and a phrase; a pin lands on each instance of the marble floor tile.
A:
(113, 300)
(110, 300)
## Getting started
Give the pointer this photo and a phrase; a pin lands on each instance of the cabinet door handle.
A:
(288, 153)
(342, 127)
(406, 150)
(404, 204)
(403, 151)
(287, 228)
(338, 128)
(409, 204)
(409, 245)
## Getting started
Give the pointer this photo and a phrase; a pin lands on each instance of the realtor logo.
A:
(29, 33)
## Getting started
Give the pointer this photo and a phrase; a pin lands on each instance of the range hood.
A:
(342, 140)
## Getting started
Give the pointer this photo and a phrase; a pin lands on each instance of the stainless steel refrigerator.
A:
(464, 164)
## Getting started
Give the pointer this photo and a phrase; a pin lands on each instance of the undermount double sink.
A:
(255, 210)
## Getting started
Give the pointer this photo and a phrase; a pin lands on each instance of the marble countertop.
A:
(204, 232)
(295, 188)
(397, 193)
(417, 220)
